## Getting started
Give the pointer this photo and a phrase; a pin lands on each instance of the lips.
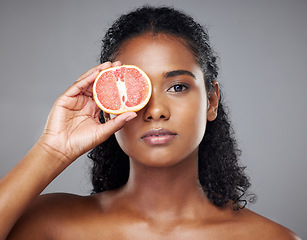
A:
(158, 136)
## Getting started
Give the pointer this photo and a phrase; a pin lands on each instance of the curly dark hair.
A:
(220, 174)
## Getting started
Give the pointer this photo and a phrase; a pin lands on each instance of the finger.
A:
(107, 129)
(95, 70)
(84, 82)
(80, 87)
(117, 63)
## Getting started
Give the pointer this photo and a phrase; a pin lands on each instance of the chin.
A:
(162, 160)
(158, 163)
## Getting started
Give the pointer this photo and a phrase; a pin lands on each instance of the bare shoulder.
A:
(50, 213)
(259, 227)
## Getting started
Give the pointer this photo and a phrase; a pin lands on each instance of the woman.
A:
(177, 175)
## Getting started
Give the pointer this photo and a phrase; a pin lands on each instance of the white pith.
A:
(121, 86)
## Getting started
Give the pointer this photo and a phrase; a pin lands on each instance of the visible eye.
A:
(178, 88)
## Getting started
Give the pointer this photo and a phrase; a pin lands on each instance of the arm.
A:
(72, 129)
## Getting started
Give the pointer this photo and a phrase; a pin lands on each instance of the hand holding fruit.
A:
(73, 126)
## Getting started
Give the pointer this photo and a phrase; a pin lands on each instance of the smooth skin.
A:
(162, 198)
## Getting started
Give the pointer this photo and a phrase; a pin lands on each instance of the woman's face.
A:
(170, 127)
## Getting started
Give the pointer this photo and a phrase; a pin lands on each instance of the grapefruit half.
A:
(122, 89)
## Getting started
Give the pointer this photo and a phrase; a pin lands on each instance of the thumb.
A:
(107, 129)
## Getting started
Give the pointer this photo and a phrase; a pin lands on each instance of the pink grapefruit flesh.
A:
(122, 89)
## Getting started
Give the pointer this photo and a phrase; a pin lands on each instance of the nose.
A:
(157, 108)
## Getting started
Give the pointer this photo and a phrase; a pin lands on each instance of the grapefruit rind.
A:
(123, 108)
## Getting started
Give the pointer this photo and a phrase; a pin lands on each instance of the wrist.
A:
(51, 159)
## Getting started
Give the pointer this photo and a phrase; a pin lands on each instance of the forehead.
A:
(159, 53)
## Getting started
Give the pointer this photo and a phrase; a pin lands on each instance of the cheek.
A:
(122, 137)
(196, 113)
(199, 125)
(196, 118)
(126, 137)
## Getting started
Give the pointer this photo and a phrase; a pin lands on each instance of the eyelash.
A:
(184, 86)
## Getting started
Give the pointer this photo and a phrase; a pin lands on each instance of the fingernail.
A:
(117, 63)
(125, 116)
(133, 115)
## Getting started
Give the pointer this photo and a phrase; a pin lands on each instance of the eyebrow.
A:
(179, 72)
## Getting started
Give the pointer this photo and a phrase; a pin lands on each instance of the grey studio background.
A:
(46, 45)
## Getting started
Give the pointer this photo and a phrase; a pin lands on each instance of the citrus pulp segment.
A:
(122, 89)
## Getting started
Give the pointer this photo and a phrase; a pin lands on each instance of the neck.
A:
(175, 189)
